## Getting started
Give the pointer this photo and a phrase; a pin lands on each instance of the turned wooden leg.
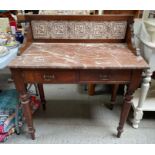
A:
(131, 87)
(138, 112)
(114, 95)
(25, 101)
(91, 89)
(125, 111)
(42, 96)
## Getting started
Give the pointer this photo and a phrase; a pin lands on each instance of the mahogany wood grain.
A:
(104, 75)
(80, 17)
(49, 76)
(136, 13)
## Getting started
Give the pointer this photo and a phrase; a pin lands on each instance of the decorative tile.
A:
(40, 29)
(58, 30)
(79, 29)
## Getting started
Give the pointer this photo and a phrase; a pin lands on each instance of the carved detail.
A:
(25, 101)
(148, 75)
(138, 52)
(24, 98)
(128, 97)
(138, 115)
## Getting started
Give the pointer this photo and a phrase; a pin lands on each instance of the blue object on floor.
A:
(8, 101)
(9, 104)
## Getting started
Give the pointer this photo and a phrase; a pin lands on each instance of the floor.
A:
(74, 117)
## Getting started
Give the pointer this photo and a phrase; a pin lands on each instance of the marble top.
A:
(78, 56)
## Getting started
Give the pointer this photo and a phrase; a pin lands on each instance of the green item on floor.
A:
(10, 113)
(7, 107)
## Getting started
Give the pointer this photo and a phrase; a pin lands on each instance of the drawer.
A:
(49, 76)
(105, 75)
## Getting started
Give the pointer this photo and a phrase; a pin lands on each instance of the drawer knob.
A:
(104, 77)
(49, 77)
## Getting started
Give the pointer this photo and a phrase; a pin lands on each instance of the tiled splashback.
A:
(78, 29)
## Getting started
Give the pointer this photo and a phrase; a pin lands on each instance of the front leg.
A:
(125, 111)
(25, 101)
(131, 87)
(138, 112)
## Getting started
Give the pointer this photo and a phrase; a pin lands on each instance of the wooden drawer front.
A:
(50, 76)
(105, 75)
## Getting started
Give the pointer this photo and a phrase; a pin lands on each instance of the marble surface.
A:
(78, 56)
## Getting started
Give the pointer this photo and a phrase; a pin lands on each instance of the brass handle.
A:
(48, 77)
(104, 77)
